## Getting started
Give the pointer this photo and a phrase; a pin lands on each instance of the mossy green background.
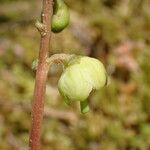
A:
(115, 31)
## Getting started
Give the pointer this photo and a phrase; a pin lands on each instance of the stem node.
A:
(41, 27)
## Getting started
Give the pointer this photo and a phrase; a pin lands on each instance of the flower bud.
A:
(81, 75)
(61, 16)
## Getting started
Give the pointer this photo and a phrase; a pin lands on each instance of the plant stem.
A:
(41, 77)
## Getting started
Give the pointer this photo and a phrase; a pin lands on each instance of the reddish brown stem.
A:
(41, 77)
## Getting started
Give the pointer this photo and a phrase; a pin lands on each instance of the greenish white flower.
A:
(81, 76)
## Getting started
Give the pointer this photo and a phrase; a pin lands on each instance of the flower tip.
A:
(84, 106)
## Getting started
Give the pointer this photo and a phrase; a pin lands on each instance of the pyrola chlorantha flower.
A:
(81, 76)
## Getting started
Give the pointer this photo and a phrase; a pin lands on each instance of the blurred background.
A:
(115, 31)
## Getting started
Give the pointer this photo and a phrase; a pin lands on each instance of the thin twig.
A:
(41, 77)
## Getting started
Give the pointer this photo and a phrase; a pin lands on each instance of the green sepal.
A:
(66, 99)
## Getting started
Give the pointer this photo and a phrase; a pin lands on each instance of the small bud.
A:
(61, 16)
(80, 77)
